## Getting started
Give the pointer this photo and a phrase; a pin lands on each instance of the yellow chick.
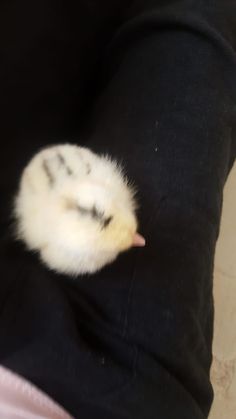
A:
(76, 209)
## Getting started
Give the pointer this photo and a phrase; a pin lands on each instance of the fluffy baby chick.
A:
(76, 209)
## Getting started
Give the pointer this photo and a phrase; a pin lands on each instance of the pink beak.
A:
(139, 241)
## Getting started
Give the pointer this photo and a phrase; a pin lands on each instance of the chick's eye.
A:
(93, 212)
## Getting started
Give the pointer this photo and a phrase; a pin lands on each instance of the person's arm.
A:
(168, 110)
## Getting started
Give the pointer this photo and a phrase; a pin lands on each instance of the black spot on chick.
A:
(96, 215)
(88, 168)
(47, 171)
(62, 161)
(107, 221)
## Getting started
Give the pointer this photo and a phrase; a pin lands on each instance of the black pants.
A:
(153, 84)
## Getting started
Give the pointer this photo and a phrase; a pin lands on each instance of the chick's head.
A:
(95, 226)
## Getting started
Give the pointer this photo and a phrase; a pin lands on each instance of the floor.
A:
(224, 347)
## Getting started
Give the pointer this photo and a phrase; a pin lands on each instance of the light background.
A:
(223, 371)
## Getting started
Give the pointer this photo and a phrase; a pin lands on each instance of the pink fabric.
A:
(20, 399)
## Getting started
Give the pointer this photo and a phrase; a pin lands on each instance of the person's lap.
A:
(135, 339)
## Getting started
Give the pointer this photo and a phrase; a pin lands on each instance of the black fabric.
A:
(154, 84)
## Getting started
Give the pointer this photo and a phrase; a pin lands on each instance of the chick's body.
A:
(75, 208)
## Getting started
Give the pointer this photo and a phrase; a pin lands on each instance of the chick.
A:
(76, 209)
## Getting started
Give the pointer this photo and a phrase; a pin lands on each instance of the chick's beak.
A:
(138, 240)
